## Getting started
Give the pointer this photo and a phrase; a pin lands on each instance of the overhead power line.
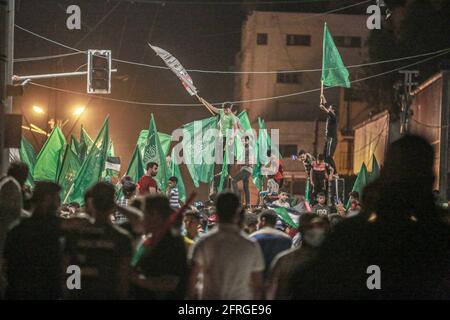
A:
(240, 101)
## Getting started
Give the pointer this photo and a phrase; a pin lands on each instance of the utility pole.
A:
(6, 72)
(405, 97)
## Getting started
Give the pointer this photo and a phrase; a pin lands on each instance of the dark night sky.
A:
(200, 36)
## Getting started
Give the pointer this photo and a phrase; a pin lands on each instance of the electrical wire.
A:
(244, 72)
(240, 101)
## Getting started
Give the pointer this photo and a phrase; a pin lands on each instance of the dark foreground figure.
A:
(401, 232)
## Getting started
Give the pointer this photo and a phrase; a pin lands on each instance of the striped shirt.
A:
(174, 199)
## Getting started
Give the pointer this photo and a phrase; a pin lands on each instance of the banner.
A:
(177, 68)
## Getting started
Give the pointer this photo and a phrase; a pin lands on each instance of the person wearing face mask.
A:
(313, 229)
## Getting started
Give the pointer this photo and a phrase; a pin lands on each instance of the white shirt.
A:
(227, 258)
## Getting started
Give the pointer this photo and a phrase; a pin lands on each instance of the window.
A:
(347, 42)
(287, 150)
(298, 40)
(288, 77)
(261, 39)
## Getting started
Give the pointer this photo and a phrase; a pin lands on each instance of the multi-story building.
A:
(281, 41)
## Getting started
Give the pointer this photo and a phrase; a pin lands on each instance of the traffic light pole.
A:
(6, 72)
(53, 75)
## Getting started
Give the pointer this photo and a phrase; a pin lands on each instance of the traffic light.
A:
(99, 71)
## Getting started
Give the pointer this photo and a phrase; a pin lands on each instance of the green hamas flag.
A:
(48, 160)
(69, 169)
(74, 145)
(175, 171)
(85, 144)
(375, 169)
(334, 73)
(283, 213)
(361, 181)
(153, 152)
(199, 143)
(28, 156)
(164, 138)
(135, 168)
(92, 167)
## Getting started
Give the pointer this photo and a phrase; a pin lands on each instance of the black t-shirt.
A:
(98, 250)
(168, 258)
(331, 126)
(33, 257)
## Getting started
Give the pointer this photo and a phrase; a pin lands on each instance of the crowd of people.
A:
(140, 242)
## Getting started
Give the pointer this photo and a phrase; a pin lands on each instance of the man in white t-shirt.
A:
(229, 264)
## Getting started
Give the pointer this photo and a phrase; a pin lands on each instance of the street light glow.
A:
(78, 111)
(38, 109)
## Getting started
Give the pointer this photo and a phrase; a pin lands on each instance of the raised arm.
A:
(208, 105)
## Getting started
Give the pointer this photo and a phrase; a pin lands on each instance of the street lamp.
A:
(38, 110)
(78, 111)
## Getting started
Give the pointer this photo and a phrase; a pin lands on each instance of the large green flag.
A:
(199, 143)
(375, 169)
(48, 160)
(175, 171)
(69, 169)
(85, 144)
(28, 156)
(334, 72)
(361, 181)
(92, 167)
(153, 152)
(135, 168)
(164, 139)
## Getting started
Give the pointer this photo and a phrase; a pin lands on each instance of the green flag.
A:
(175, 171)
(199, 149)
(48, 160)
(28, 156)
(375, 169)
(69, 169)
(135, 168)
(283, 213)
(85, 144)
(153, 152)
(92, 167)
(334, 73)
(75, 145)
(164, 139)
(361, 181)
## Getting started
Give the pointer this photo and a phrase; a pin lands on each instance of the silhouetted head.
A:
(406, 180)
(19, 171)
(228, 207)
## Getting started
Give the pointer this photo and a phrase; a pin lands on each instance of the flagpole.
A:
(321, 91)
(206, 106)
(68, 193)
